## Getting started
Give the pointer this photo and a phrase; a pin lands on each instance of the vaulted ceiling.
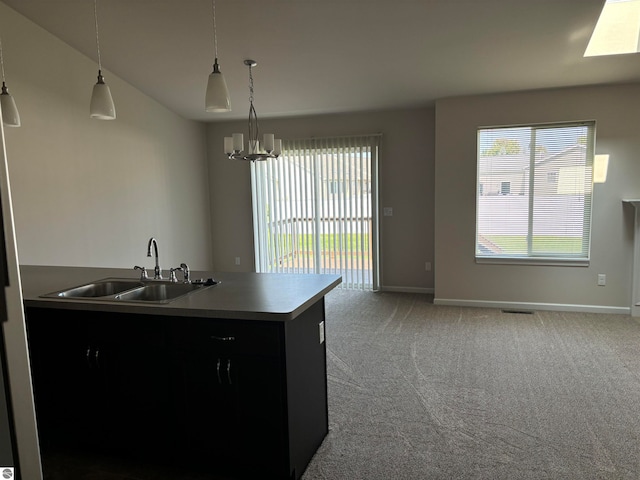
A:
(326, 56)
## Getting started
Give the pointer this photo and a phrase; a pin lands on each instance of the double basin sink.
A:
(129, 290)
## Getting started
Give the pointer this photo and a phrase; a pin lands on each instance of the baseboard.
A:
(533, 306)
(406, 289)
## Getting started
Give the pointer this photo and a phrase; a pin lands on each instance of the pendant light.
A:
(102, 107)
(10, 115)
(234, 146)
(217, 96)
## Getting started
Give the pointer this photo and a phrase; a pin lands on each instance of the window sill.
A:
(549, 261)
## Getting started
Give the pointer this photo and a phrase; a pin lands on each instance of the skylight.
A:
(617, 30)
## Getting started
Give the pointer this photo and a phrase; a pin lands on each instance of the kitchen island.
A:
(229, 379)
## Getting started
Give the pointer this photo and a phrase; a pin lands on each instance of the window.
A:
(533, 201)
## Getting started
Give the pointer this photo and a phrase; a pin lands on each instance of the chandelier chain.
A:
(95, 16)
(250, 86)
(253, 117)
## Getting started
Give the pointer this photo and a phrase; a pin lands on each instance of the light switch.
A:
(387, 211)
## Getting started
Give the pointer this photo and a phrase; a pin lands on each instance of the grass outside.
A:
(335, 250)
(355, 242)
(512, 244)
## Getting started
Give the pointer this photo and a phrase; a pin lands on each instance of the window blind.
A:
(315, 209)
(534, 192)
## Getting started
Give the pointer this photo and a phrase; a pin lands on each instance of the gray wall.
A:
(458, 279)
(88, 192)
(406, 184)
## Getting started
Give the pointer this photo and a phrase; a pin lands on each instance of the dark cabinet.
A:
(99, 380)
(246, 399)
(232, 393)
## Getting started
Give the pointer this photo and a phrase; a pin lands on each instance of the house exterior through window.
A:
(534, 192)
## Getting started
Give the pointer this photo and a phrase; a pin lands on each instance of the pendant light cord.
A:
(95, 15)
(2, 61)
(215, 35)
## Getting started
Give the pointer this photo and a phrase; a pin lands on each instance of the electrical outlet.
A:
(387, 211)
(602, 279)
(427, 266)
(237, 260)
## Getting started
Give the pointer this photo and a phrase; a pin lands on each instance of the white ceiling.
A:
(325, 56)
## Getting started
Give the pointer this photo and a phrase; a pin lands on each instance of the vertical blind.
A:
(534, 192)
(315, 209)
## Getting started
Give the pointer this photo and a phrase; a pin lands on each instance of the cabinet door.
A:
(231, 399)
(66, 384)
(100, 380)
(136, 386)
(261, 417)
(205, 401)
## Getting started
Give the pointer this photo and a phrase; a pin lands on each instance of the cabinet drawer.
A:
(230, 336)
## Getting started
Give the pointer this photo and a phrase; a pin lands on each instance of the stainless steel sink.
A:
(99, 288)
(129, 290)
(158, 292)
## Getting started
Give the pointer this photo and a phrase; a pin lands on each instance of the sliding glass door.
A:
(316, 209)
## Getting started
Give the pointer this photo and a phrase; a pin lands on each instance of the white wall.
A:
(458, 279)
(89, 192)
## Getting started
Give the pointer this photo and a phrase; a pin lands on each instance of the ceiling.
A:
(328, 56)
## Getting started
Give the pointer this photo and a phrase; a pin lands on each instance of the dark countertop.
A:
(250, 296)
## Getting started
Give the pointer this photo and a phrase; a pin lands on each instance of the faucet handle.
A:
(143, 272)
(172, 273)
(186, 272)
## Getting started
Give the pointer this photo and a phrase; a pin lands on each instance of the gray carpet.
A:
(418, 391)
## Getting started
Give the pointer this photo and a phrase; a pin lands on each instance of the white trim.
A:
(406, 289)
(561, 307)
(555, 262)
(635, 280)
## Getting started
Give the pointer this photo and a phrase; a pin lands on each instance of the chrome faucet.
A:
(172, 273)
(157, 271)
(143, 272)
(185, 272)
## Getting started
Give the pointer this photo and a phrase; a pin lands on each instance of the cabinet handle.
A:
(218, 372)
(96, 356)
(223, 339)
(229, 370)
(89, 356)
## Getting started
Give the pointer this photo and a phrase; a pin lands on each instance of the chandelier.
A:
(234, 146)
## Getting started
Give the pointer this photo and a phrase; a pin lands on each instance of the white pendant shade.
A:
(102, 107)
(217, 96)
(10, 115)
